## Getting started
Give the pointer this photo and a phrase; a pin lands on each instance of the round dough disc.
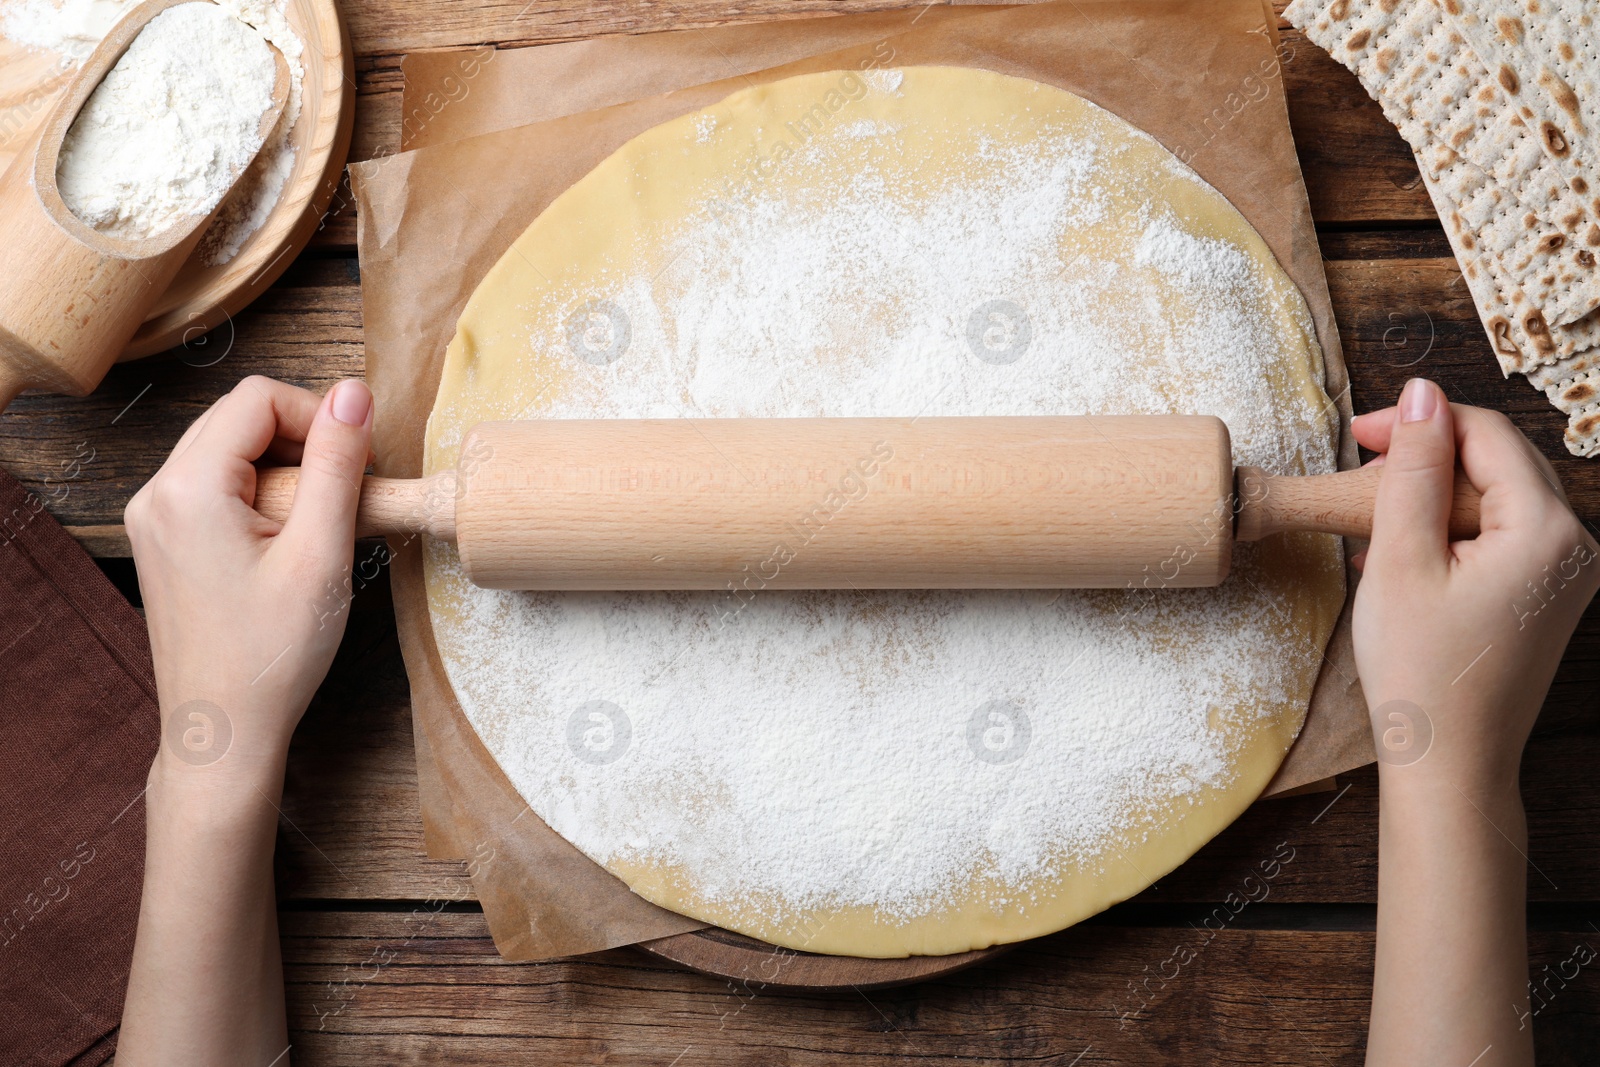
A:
(892, 773)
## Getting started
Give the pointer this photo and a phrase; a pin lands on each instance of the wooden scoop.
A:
(75, 296)
(930, 503)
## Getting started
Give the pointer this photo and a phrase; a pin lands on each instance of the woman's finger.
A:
(283, 452)
(1372, 429)
(297, 407)
(189, 434)
(1494, 452)
(1410, 523)
(322, 520)
(219, 455)
(257, 411)
(239, 429)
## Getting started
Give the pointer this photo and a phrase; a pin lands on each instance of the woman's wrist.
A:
(1431, 795)
(214, 742)
(1458, 745)
(235, 786)
(228, 827)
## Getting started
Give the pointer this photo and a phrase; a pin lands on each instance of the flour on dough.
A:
(892, 773)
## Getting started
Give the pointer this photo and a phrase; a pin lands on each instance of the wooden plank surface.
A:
(391, 987)
(388, 959)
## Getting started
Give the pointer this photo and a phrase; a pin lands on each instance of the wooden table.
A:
(387, 955)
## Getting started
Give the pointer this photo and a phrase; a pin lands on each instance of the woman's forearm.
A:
(240, 640)
(1451, 979)
(207, 981)
(1454, 676)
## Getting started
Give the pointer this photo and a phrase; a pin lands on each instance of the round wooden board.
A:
(758, 965)
(203, 297)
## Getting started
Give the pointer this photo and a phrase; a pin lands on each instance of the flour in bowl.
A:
(171, 126)
(72, 29)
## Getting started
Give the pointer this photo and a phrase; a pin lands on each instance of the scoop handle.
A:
(1339, 503)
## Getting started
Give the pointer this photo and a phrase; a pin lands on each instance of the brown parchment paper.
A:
(496, 136)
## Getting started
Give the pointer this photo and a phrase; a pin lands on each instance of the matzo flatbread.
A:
(1549, 51)
(1521, 340)
(1501, 104)
(1511, 195)
(1571, 381)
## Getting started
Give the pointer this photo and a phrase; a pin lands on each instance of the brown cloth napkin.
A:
(81, 727)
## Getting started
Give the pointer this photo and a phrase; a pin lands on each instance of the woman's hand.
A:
(1465, 637)
(1456, 645)
(245, 616)
(244, 620)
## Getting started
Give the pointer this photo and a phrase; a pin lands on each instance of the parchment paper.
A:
(499, 135)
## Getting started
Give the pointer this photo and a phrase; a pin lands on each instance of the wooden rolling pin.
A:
(72, 297)
(1006, 502)
(928, 503)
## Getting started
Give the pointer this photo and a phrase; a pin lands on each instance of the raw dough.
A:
(811, 769)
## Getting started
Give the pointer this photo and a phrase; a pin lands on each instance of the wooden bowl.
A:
(202, 297)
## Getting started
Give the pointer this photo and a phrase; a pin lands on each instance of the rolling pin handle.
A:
(1340, 503)
(388, 506)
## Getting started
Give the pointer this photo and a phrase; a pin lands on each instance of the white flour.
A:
(258, 191)
(171, 126)
(832, 749)
(73, 28)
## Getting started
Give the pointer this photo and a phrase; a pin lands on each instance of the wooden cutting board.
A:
(755, 965)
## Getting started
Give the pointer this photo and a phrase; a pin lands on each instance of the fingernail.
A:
(1417, 401)
(351, 402)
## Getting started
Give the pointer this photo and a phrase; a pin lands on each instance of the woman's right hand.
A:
(1462, 639)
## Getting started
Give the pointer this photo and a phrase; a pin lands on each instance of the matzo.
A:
(1512, 194)
(1549, 49)
(1522, 341)
(1571, 381)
